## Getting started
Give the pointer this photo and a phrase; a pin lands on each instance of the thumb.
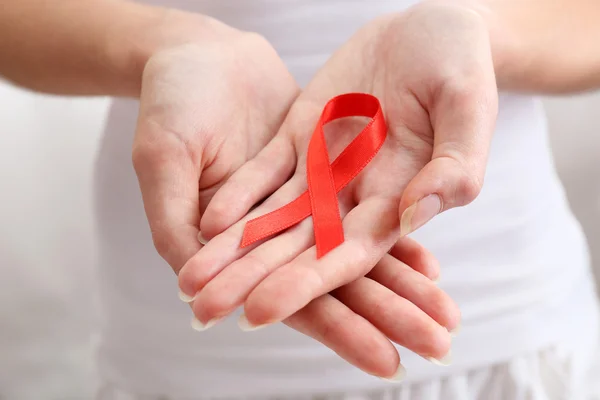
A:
(463, 123)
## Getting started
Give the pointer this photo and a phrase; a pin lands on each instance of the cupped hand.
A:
(398, 301)
(432, 69)
(212, 98)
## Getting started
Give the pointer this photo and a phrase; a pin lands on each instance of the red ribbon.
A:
(325, 180)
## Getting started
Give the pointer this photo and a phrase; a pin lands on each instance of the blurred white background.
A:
(47, 150)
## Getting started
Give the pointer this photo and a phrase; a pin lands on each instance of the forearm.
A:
(82, 46)
(549, 46)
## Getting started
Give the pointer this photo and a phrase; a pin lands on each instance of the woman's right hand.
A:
(211, 98)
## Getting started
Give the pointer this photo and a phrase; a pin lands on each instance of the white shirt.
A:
(515, 259)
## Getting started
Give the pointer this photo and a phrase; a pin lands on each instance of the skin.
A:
(188, 98)
(194, 74)
(437, 143)
(186, 148)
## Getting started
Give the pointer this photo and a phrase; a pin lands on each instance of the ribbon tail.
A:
(329, 232)
(276, 221)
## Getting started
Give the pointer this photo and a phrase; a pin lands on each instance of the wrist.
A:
(126, 43)
(503, 42)
(141, 31)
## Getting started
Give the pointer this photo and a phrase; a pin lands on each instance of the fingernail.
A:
(437, 280)
(197, 325)
(186, 298)
(444, 361)
(398, 376)
(454, 332)
(419, 213)
(201, 239)
(246, 326)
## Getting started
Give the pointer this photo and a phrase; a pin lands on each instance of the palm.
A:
(432, 71)
(205, 109)
(205, 119)
(233, 102)
(407, 149)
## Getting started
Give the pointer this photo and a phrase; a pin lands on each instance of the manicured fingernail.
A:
(444, 361)
(185, 298)
(454, 332)
(419, 213)
(246, 326)
(398, 376)
(201, 239)
(199, 326)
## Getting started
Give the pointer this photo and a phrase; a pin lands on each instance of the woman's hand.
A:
(432, 69)
(208, 105)
(212, 97)
(398, 301)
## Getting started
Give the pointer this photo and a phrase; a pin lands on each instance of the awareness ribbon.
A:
(325, 180)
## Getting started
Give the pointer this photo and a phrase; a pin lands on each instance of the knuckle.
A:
(228, 204)
(447, 312)
(260, 309)
(363, 257)
(329, 330)
(193, 277)
(461, 94)
(464, 96)
(217, 212)
(255, 263)
(381, 307)
(164, 242)
(239, 190)
(468, 95)
(326, 331)
(429, 339)
(187, 279)
(154, 156)
(205, 309)
(426, 337)
(309, 281)
(469, 186)
(396, 280)
(438, 300)
(260, 166)
(210, 304)
(141, 156)
(427, 264)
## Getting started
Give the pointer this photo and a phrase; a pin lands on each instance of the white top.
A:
(515, 259)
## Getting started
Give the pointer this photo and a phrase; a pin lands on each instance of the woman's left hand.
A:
(432, 69)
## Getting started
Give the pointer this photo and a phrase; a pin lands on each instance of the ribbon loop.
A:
(325, 180)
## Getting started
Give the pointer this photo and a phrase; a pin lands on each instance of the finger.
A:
(396, 317)
(266, 173)
(224, 248)
(229, 288)
(371, 228)
(168, 179)
(351, 336)
(254, 181)
(417, 289)
(463, 119)
(415, 255)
